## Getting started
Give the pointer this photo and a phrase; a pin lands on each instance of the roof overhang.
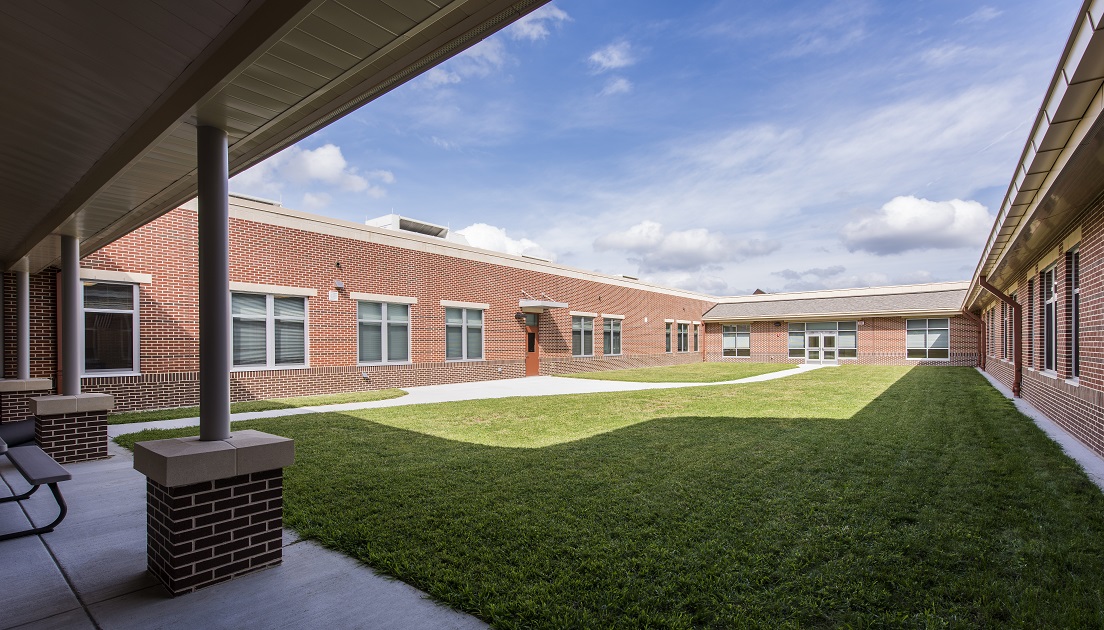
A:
(539, 306)
(820, 317)
(102, 106)
(1058, 175)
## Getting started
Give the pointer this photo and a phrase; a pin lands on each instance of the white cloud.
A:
(535, 26)
(616, 55)
(316, 201)
(655, 250)
(479, 61)
(310, 167)
(984, 14)
(496, 239)
(616, 85)
(908, 223)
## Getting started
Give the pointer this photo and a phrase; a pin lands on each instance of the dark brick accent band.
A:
(73, 437)
(210, 532)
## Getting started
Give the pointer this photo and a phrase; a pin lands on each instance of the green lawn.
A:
(688, 373)
(128, 417)
(847, 497)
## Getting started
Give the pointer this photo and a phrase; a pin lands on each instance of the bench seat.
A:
(39, 469)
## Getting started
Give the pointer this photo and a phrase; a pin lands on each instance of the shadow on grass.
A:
(935, 503)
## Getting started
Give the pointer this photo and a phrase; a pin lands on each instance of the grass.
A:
(855, 496)
(129, 417)
(689, 373)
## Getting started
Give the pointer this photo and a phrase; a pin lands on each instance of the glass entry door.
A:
(820, 347)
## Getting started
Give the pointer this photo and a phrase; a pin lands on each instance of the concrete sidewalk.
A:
(506, 388)
(91, 571)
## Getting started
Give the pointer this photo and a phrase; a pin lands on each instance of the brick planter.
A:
(72, 428)
(214, 510)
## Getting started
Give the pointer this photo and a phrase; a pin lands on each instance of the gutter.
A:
(1017, 342)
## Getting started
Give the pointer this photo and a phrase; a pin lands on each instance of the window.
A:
(927, 338)
(1010, 325)
(848, 342)
(611, 336)
(463, 334)
(684, 337)
(1074, 267)
(797, 340)
(695, 337)
(110, 327)
(736, 340)
(1004, 330)
(1031, 323)
(1049, 292)
(668, 336)
(582, 336)
(383, 332)
(268, 330)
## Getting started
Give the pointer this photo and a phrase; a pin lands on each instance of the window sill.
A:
(268, 368)
(582, 356)
(372, 363)
(108, 373)
(1049, 374)
(464, 360)
(1075, 381)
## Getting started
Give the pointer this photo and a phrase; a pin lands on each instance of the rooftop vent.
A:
(270, 202)
(406, 224)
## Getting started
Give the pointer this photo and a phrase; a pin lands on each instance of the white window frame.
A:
(135, 352)
(683, 334)
(1075, 311)
(1050, 318)
(464, 325)
(384, 323)
(582, 320)
(611, 324)
(270, 335)
(926, 349)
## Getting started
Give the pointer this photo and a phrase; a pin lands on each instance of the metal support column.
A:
(23, 325)
(214, 284)
(70, 317)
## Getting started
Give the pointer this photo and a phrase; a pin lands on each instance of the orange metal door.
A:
(532, 352)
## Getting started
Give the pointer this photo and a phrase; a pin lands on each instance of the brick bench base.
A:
(210, 532)
(72, 428)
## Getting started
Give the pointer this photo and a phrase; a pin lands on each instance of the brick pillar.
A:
(72, 428)
(214, 509)
(16, 395)
(205, 533)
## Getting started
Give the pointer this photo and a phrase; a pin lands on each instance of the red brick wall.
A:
(881, 341)
(43, 289)
(277, 255)
(1075, 404)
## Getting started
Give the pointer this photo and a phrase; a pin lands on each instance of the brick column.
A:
(214, 509)
(72, 428)
(16, 394)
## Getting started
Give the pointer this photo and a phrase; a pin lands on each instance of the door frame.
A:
(820, 348)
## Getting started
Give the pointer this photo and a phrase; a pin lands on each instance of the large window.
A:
(1075, 311)
(582, 336)
(736, 340)
(848, 342)
(110, 327)
(695, 337)
(796, 341)
(269, 330)
(927, 338)
(1031, 323)
(684, 337)
(668, 336)
(611, 336)
(1004, 330)
(463, 334)
(1049, 292)
(383, 332)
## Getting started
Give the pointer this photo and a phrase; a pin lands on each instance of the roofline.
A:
(258, 212)
(1051, 103)
(930, 287)
(834, 316)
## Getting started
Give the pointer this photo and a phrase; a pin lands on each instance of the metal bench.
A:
(38, 469)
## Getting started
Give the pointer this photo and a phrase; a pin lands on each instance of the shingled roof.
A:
(944, 298)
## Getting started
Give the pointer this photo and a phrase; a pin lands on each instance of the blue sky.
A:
(713, 146)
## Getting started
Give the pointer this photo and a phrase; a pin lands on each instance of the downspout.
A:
(981, 337)
(1017, 342)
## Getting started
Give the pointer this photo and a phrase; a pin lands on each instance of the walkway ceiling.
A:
(102, 98)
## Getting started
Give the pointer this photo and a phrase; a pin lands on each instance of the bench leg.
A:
(40, 530)
(19, 497)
